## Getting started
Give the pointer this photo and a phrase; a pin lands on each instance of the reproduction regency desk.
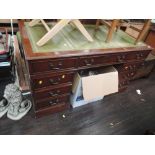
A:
(52, 67)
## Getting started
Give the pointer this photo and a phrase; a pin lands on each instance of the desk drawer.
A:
(113, 58)
(123, 76)
(132, 66)
(130, 56)
(64, 99)
(93, 60)
(138, 55)
(51, 110)
(51, 93)
(51, 80)
(52, 65)
(123, 84)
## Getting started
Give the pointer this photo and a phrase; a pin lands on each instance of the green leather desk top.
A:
(71, 39)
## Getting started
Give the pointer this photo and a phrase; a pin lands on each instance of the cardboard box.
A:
(80, 101)
(76, 98)
(102, 84)
(91, 88)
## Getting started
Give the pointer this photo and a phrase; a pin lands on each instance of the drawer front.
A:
(93, 60)
(52, 93)
(52, 102)
(126, 67)
(123, 76)
(123, 84)
(48, 81)
(53, 65)
(132, 66)
(130, 56)
(113, 58)
(51, 110)
(137, 56)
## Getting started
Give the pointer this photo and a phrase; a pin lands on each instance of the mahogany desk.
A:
(51, 68)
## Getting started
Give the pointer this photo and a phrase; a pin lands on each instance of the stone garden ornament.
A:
(13, 103)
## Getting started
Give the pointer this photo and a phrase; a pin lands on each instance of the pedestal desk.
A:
(51, 68)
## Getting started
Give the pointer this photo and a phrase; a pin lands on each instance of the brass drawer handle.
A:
(54, 102)
(53, 67)
(134, 66)
(124, 77)
(130, 67)
(143, 64)
(121, 58)
(124, 83)
(87, 63)
(60, 64)
(126, 67)
(56, 68)
(55, 82)
(139, 55)
(130, 74)
(92, 60)
(54, 94)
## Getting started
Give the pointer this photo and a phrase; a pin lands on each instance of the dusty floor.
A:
(122, 113)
